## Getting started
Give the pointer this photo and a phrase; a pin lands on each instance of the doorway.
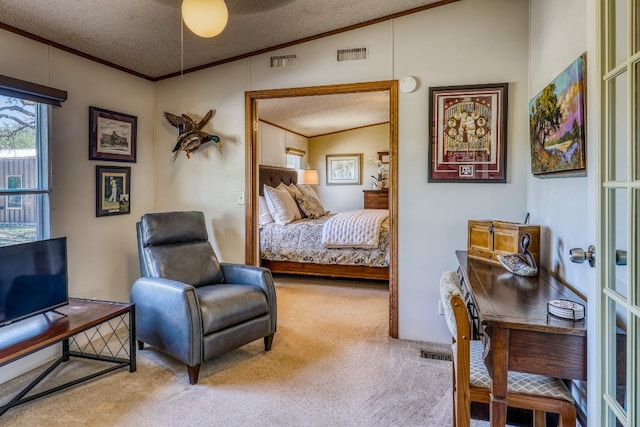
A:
(252, 254)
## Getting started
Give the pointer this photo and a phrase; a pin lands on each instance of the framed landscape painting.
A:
(557, 125)
(344, 169)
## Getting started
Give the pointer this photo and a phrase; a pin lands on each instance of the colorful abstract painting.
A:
(557, 124)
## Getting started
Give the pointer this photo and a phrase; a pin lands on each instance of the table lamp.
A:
(308, 176)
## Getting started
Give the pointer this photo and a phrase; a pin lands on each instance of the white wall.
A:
(366, 141)
(432, 217)
(566, 207)
(211, 179)
(273, 142)
(102, 253)
(442, 46)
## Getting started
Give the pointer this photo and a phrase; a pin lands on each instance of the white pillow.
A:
(263, 209)
(306, 190)
(281, 205)
(291, 188)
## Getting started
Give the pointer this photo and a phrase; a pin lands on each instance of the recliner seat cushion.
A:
(226, 305)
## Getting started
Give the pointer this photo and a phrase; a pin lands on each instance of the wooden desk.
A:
(511, 316)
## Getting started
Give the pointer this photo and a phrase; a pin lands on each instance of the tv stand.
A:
(83, 323)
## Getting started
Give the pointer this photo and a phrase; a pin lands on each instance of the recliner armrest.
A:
(242, 274)
(168, 317)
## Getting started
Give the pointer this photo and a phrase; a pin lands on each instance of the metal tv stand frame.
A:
(87, 329)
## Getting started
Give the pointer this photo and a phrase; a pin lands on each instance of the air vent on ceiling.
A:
(352, 54)
(279, 61)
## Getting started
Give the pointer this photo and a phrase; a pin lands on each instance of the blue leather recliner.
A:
(188, 304)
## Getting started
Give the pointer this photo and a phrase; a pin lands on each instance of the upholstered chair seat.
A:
(188, 304)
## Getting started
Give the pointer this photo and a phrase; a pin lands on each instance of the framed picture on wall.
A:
(112, 136)
(557, 125)
(113, 190)
(344, 169)
(467, 133)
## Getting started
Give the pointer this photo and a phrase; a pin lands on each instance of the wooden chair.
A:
(471, 381)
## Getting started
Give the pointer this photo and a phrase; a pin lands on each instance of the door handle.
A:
(579, 255)
(621, 257)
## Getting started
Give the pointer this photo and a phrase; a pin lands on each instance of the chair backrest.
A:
(454, 307)
(457, 318)
(175, 245)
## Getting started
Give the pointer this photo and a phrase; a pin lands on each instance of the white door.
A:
(618, 299)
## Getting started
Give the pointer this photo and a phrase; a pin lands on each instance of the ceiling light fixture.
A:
(205, 18)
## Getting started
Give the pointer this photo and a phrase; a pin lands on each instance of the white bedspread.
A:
(354, 229)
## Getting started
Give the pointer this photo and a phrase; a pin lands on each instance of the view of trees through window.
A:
(24, 187)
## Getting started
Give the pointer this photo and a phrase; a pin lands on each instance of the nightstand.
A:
(376, 199)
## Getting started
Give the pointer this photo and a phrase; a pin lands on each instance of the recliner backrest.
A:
(175, 245)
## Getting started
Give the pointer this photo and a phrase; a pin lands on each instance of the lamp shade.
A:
(308, 176)
(205, 18)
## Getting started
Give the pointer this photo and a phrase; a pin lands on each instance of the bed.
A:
(297, 248)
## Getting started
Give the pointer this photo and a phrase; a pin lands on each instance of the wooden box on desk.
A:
(487, 239)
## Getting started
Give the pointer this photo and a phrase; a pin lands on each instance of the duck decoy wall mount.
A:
(190, 133)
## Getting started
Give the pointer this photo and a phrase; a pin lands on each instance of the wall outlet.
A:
(440, 307)
(240, 197)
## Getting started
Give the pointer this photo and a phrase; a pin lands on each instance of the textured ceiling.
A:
(323, 114)
(144, 37)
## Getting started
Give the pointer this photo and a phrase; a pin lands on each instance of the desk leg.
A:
(498, 367)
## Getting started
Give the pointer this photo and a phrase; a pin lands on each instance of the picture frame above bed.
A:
(344, 169)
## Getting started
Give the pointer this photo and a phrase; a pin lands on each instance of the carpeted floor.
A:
(332, 364)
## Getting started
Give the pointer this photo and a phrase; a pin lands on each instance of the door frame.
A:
(252, 253)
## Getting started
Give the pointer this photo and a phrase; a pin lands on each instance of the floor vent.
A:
(435, 354)
(352, 54)
(280, 61)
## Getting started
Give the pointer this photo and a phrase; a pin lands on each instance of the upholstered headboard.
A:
(274, 175)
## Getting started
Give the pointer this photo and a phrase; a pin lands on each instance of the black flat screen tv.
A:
(33, 279)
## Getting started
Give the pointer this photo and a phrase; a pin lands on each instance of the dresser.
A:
(376, 199)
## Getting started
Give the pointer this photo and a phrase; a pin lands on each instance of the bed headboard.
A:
(274, 175)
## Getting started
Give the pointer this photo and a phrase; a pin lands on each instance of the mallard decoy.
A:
(191, 141)
(522, 264)
(191, 136)
(185, 123)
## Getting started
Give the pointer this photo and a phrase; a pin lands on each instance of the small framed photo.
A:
(344, 169)
(113, 190)
(467, 133)
(112, 136)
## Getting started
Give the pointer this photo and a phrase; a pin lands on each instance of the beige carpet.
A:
(332, 364)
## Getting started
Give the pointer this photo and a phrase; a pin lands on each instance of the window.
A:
(14, 182)
(293, 161)
(24, 170)
(294, 156)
